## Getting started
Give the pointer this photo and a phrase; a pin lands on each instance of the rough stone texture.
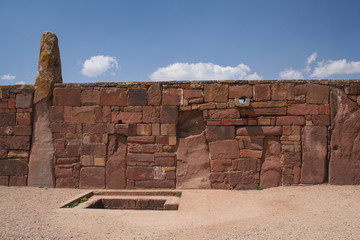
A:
(116, 163)
(49, 67)
(190, 123)
(237, 91)
(216, 92)
(13, 167)
(282, 91)
(24, 100)
(113, 96)
(344, 165)
(259, 131)
(224, 149)
(262, 92)
(67, 97)
(214, 133)
(154, 95)
(168, 114)
(7, 119)
(317, 94)
(92, 177)
(172, 97)
(41, 171)
(137, 97)
(270, 175)
(193, 165)
(314, 155)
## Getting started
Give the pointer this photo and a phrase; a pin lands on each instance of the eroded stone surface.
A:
(270, 175)
(344, 165)
(116, 164)
(193, 165)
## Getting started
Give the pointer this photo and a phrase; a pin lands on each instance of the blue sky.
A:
(155, 40)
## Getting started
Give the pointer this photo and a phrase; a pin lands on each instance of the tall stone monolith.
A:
(41, 170)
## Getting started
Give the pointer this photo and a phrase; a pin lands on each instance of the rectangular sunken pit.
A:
(126, 200)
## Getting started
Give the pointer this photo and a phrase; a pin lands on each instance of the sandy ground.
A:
(302, 212)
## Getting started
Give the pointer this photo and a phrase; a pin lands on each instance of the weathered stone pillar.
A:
(41, 170)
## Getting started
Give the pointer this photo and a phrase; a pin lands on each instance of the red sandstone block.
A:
(136, 97)
(220, 186)
(172, 97)
(290, 120)
(63, 172)
(155, 184)
(235, 178)
(262, 92)
(92, 177)
(245, 164)
(165, 161)
(13, 167)
(17, 180)
(237, 91)
(262, 111)
(113, 96)
(207, 106)
(303, 109)
(23, 119)
(11, 103)
(94, 128)
(4, 180)
(225, 149)
(291, 130)
(23, 101)
(168, 129)
(67, 114)
(140, 173)
(226, 113)
(68, 182)
(216, 92)
(149, 114)
(9, 130)
(73, 150)
(15, 142)
(3, 153)
(259, 131)
(154, 95)
(321, 120)
(151, 148)
(56, 114)
(300, 89)
(220, 165)
(247, 153)
(90, 97)
(126, 117)
(213, 122)
(218, 177)
(98, 149)
(196, 101)
(353, 89)
(214, 133)
(83, 114)
(282, 91)
(67, 96)
(168, 114)
(192, 93)
(242, 121)
(143, 129)
(141, 139)
(7, 119)
(140, 157)
(318, 94)
(67, 160)
(292, 159)
(162, 140)
(268, 104)
(170, 175)
(253, 143)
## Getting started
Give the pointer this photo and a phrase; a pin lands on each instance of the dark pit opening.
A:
(133, 204)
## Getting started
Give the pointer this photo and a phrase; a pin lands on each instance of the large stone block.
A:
(67, 182)
(224, 113)
(190, 123)
(193, 163)
(259, 131)
(224, 149)
(136, 97)
(344, 165)
(90, 97)
(282, 91)
(113, 96)
(216, 93)
(168, 114)
(314, 155)
(7, 119)
(24, 100)
(116, 164)
(318, 94)
(13, 167)
(214, 133)
(67, 96)
(149, 114)
(193, 93)
(15, 142)
(154, 95)
(140, 173)
(270, 175)
(126, 117)
(237, 91)
(94, 128)
(56, 114)
(262, 92)
(18, 181)
(92, 177)
(290, 120)
(83, 114)
(172, 97)
(303, 109)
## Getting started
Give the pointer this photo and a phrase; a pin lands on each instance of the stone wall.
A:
(193, 134)
(15, 134)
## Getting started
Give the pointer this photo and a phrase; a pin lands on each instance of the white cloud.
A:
(311, 58)
(331, 67)
(203, 71)
(8, 77)
(20, 83)
(291, 74)
(98, 65)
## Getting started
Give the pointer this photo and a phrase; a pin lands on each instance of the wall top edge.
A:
(22, 86)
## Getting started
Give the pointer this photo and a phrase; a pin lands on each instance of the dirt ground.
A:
(301, 212)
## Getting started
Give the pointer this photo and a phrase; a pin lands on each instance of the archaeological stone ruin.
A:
(188, 134)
